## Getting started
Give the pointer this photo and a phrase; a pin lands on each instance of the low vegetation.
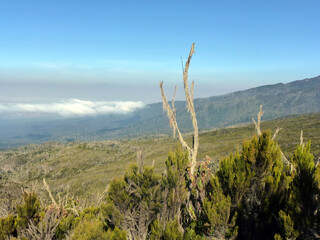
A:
(84, 169)
(252, 194)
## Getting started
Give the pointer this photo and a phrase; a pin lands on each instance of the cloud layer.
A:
(71, 107)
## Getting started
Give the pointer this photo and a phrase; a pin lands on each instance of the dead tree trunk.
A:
(171, 112)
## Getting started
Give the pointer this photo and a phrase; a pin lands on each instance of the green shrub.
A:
(277, 237)
(65, 225)
(89, 230)
(172, 231)
(156, 230)
(216, 206)
(116, 234)
(133, 200)
(268, 184)
(235, 176)
(174, 186)
(7, 227)
(303, 202)
(190, 234)
(256, 181)
(88, 214)
(287, 226)
(29, 210)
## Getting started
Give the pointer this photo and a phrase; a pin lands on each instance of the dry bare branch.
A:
(287, 162)
(174, 112)
(301, 138)
(140, 160)
(50, 194)
(192, 90)
(4, 207)
(103, 194)
(138, 218)
(46, 229)
(317, 162)
(171, 113)
(172, 119)
(74, 209)
(257, 124)
(276, 133)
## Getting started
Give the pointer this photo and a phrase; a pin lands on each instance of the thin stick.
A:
(50, 194)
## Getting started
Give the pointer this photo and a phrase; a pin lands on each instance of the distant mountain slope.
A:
(279, 100)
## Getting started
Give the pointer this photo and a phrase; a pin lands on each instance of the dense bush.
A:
(89, 230)
(133, 202)
(303, 203)
(256, 181)
(29, 210)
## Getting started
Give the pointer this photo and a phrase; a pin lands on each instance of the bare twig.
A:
(301, 138)
(140, 160)
(103, 194)
(74, 209)
(50, 194)
(276, 133)
(172, 119)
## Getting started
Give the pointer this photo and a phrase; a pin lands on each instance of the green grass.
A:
(87, 168)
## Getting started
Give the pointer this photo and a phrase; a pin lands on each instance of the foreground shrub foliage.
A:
(253, 195)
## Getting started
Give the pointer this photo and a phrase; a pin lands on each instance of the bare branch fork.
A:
(171, 113)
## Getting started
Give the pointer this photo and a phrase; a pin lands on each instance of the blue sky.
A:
(120, 50)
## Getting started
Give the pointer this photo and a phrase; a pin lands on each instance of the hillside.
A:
(85, 168)
(279, 100)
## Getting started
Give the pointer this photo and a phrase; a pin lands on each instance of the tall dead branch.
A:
(171, 113)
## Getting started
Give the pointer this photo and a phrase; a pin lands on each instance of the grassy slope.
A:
(88, 167)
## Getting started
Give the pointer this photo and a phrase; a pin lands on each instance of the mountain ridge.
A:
(281, 99)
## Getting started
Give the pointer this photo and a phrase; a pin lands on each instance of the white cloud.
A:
(71, 107)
